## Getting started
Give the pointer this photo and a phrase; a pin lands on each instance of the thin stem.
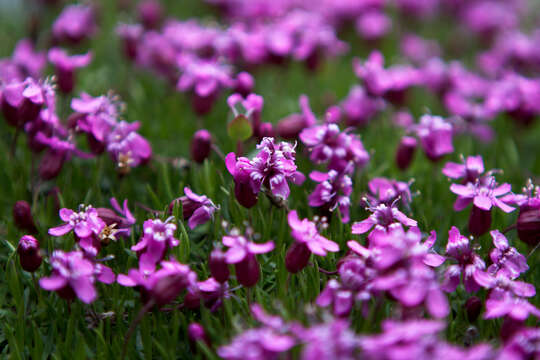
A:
(533, 250)
(511, 227)
(218, 151)
(13, 147)
(133, 325)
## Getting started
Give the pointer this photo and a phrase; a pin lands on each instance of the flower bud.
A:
(203, 105)
(297, 257)
(192, 300)
(290, 126)
(479, 221)
(65, 79)
(244, 83)
(150, 13)
(245, 195)
(22, 216)
(201, 145)
(218, 267)
(29, 253)
(51, 164)
(168, 288)
(248, 271)
(196, 333)
(473, 307)
(405, 152)
(266, 130)
(528, 225)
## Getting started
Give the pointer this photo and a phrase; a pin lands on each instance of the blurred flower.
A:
(157, 237)
(66, 65)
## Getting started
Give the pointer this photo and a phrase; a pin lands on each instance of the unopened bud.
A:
(201, 145)
(528, 225)
(248, 271)
(29, 253)
(405, 152)
(22, 216)
(297, 257)
(218, 266)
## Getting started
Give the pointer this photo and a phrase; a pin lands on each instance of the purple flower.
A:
(271, 168)
(66, 65)
(331, 340)
(373, 25)
(387, 191)
(252, 107)
(382, 217)
(199, 209)
(525, 344)
(127, 148)
(257, 344)
(158, 236)
(130, 35)
(470, 170)
(435, 134)
(484, 194)
(305, 231)
(333, 191)
(22, 101)
(28, 60)
(241, 253)
(210, 291)
(73, 274)
(85, 222)
(327, 144)
(162, 285)
(124, 221)
(290, 126)
(359, 108)
(75, 23)
(459, 249)
(506, 259)
(391, 83)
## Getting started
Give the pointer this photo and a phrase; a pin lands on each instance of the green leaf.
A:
(239, 128)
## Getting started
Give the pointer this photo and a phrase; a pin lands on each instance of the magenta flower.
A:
(162, 285)
(96, 116)
(198, 209)
(307, 241)
(252, 107)
(387, 191)
(522, 345)
(382, 217)
(85, 222)
(506, 259)
(66, 65)
(484, 194)
(327, 144)
(75, 23)
(73, 274)
(210, 291)
(459, 249)
(333, 192)
(470, 170)
(124, 221)
(127, 148)
(241, 253)
(272, 167)
(359, 108)
(21, 102)
(158, 236)
(262, 343)
(305, 231)
(290, 126)
(28, 60)
(435, 134)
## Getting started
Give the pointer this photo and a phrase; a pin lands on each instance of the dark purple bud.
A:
(528, 225)
(473, 307)
(22, 216)
(202, 105)
(168, 288)
(244, 84)
(66, 80)
(150, 13)
(29, 111)
(29, 253)
(196, 333)
(297, 257)
(266, 130)
(192, 300)
(290, 126)
(405, 152)
(51, 164)
(479, 221)
(245, 195)
(218, 266)
(248, 271)
(201, 145)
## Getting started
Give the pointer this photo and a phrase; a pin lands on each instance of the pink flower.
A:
(66, 65)
(158, 236)
(305, 231)
(73, 274)
(85, 222)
